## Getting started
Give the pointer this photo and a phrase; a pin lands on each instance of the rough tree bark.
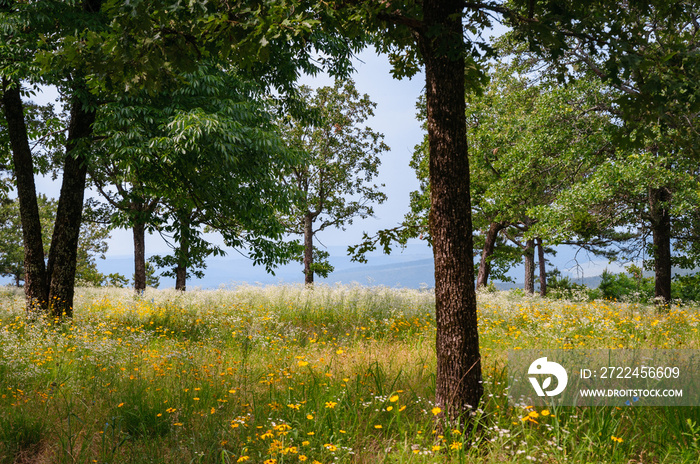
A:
(35, 280)
(308, 248)
(542, 267)
(139, 233)
(181, 277)
(660, 220)
(63, 253)
(482, 279)
(183, 252)
(51, 286)
(458, 376)
(529, 255)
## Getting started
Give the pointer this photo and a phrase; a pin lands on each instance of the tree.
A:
(116, 46)
(647, 51)
(28, 30)
(152, 280)
(431, 34)
(341, 159)
(532, 138)
(127, 205)
(208, 149)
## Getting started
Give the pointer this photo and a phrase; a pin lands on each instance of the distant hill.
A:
(396, 270)
(411, 274)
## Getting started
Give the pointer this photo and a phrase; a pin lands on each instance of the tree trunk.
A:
(458, 377)
(183, 252)
(482, 279)
(543, 270)
(661, 231)
(139, 232)
(36, 286)
(64, 242)
(308, 249)
(529, 254)
(181, 277)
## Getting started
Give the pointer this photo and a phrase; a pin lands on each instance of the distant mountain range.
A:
(396, 270)
(411, 274)
(390, 271)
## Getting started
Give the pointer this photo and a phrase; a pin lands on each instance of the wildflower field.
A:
(284, 374)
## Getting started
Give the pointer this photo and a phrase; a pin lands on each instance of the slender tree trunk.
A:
(63, 253)
(18, 279)
(661, 231)
(543, 269)
(139, 232)
(183, 252)
(308, 249)
(181, 277)
(458, 377)
(529, 255)
(482, 279)
(36, 286)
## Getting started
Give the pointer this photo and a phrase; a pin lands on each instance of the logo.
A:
(549, 368)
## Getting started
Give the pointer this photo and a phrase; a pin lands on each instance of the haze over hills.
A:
(407, 269)
(411, 271)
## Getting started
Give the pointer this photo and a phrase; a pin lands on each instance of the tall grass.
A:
(285, 374)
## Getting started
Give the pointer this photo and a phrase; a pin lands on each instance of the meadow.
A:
(284, 374)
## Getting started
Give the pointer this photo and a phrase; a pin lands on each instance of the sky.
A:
(395, 117)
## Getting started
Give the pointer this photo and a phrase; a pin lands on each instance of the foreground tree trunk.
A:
(51, 286)
(529, 255)
(543, 269)
(482, 279)
(64, 242)
(659, 199)
(308, 249)
(458, 378)
(139, 233)
(35, 280)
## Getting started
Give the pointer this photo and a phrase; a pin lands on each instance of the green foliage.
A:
(627, 287)
(209, 151)
(193, 257)
(46, 132)
(321, 265)
(686, 287)
(638, 48)
(646, 54)
(116, 280)
(630, 286)
(91, 245)
(152, 280)
(143, 416)
(11, 249)
(530, 141)
(563, 288)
